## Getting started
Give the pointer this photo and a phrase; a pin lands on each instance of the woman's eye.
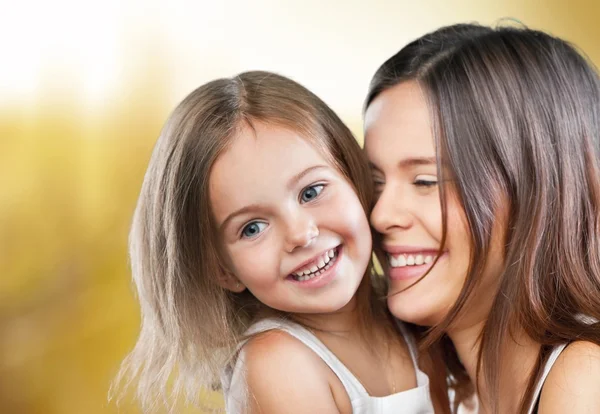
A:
(310, 193)
(426, 181)
(253, 229)
(378, 183)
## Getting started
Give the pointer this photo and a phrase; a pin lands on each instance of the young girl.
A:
(485, 149)
(250, 249)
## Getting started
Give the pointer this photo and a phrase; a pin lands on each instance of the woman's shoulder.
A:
(573, 383)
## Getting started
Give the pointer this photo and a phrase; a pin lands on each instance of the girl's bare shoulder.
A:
(284, 375)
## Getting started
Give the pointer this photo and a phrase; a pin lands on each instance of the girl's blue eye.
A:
(253, 229)
(310, 193)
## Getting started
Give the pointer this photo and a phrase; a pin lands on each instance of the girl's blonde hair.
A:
(191, 325)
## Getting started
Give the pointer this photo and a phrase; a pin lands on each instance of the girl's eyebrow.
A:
(243, 210)
(299, 176)
(253, 207)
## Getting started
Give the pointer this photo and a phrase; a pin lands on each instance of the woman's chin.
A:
(414, 312)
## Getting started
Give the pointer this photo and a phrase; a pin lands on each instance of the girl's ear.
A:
(227, 280)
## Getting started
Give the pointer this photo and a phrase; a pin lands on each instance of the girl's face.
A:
(293, 227)
(400, 147)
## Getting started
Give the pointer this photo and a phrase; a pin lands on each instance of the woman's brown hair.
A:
(516, 122)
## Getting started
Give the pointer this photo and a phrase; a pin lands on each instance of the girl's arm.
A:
(573, 384)
(285, 376)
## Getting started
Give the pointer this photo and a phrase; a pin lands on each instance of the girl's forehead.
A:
(261, 145)
(261, 163)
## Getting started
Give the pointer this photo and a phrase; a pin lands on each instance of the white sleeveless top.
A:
(538, 388)
(550, 363)
(413, 401)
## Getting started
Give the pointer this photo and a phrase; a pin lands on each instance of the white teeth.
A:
(324, 262)
(402, 260)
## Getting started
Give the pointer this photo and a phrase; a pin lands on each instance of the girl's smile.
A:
(293, 227)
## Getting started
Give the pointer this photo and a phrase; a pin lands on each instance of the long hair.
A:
(190, 325)
(516, 123)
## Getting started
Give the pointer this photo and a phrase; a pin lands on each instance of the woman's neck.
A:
(518, 358)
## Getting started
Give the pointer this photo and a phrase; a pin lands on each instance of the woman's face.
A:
(408, 215)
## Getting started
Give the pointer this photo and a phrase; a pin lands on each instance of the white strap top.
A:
(550, 363)
(538, 388)
(413, 401)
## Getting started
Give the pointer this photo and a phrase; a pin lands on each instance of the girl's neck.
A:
(518, 358)
(343, 321)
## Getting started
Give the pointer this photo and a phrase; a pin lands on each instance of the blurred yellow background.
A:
(84, 90)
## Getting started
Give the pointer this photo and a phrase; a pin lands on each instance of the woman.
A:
(485, 148)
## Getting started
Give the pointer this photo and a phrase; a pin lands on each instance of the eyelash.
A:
(379, 184)
(425, 183)
(312, 186)
(243, 236)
